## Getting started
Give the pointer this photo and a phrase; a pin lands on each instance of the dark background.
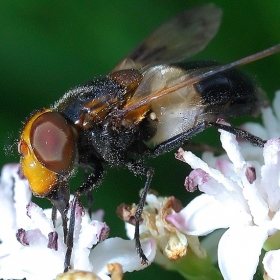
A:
(47, 47)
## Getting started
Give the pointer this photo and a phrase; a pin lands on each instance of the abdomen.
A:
(225, 95)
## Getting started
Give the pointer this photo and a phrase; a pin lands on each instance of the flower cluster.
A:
(172, 243)
(176, 250)
(242, 196)
(32, 248)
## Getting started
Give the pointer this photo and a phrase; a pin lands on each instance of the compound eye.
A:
(53, 142)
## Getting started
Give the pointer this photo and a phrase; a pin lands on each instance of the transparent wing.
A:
(179, 38)
(166, 81)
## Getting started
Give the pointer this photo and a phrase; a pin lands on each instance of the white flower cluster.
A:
(241, 196)
(32, 248)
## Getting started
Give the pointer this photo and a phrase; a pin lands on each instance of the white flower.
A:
(39, 251)
(170, 241)
(241, 196)
(271, 262)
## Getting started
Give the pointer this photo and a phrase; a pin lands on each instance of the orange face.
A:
(48, 149)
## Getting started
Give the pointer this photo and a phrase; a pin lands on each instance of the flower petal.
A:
(232, 148)
(270, 173)
(15, 195)
(239, 250)
(39, 218)
(121, 251)
(22, 264)
(195, 162)
(271, 262)
(204, 214)
(89, 236)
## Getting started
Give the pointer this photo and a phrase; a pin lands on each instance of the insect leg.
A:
(69, 240)
(54, 215)
(60, 200)
(239, 133)
(178, 140)
(92, 182)
(89, 203)
(88, 194)
(137, 168)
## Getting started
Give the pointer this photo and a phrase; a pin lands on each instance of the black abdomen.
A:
(228, 94)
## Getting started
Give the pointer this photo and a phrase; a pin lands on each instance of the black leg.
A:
(88, 194)
(178, 140)
(182, 138)
(240, 133)
(69, 240)
(60, 200)
(89, 203)
(138, 216)
(138, 168)
(54, 212)
(92, 182)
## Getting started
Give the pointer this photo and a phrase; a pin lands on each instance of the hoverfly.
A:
(148, 105)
